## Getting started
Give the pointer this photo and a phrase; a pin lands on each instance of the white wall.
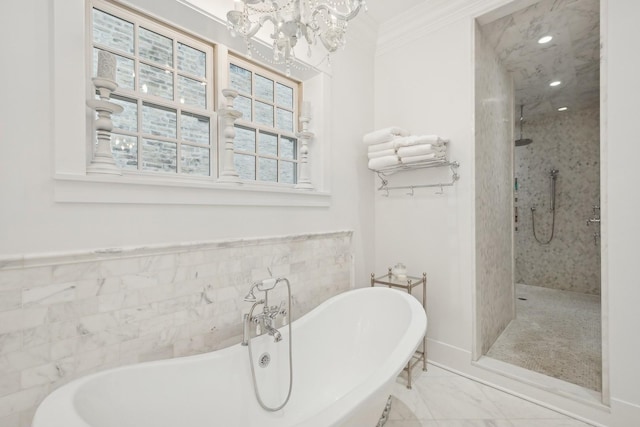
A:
(31, 222)
(621, 152)
(424, 73)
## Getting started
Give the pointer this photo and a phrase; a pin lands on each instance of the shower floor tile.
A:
(555, 333)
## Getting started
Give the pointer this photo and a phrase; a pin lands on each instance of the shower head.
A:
(250, 297)
(521, 142)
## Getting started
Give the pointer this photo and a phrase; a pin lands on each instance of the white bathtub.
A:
(347, 353)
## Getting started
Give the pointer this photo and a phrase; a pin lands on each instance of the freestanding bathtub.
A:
(347, 353)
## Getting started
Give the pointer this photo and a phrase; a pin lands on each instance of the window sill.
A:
(70, 188)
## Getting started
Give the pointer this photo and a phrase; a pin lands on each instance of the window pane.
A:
(243, 104)
(194, 160)
(245, 165)
(268, 144)
(245, 140)
(158, 156)
(284, 96)
(194, 128)
(191, 60)
(125, 151)
(287, 173)
(156, 81)
(267, 169)
(125, 76)
(192, 92)
(264, 113)
(113, 32)
(160, 121)
(288, 148)
(128, 119)
(154, 47)
(264, 88)
(240, 79)
(285, 120)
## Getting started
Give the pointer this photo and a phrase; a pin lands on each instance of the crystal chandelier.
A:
(290, 20)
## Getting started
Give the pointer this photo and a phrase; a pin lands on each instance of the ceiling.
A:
(383, 10)
(573, 56)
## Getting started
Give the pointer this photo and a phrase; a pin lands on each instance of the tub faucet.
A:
(275, 333)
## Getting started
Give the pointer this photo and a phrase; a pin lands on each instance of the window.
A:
(266, 148)
(165, 86)
(168, 141)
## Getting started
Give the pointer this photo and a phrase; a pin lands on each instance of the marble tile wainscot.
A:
(66, 315)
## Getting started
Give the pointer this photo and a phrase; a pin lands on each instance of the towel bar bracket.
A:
(384, 181)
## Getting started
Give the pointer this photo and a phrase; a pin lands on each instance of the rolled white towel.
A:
(383, 162)
(420, 150)
(382, 153)
(427, 157)
(381, 147)
(418, 139)
(383, 135)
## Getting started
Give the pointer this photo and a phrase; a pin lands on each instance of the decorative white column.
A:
(105, 83)
(304, 136)
(229, 116)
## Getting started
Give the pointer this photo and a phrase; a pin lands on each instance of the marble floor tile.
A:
(456, 398)
(514, 407)
(474, 423)
(568, 422)
(440, 398)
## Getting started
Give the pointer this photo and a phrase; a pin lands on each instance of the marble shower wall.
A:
(68, 315)
(570, 142)
(495, 305)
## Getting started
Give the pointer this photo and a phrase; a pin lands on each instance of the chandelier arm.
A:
(333, 12)
(256, 27)
(326, 44)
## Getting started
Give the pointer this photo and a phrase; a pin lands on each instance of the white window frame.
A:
(258, 127)
(141, 99)
(73, 138)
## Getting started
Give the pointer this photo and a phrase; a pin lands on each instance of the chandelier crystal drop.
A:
(290, 20)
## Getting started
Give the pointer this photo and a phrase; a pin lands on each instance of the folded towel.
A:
(382, 153)
(382, 146)
(383, 135)
(420, 150)
(418, 139)
(427, 157)
(383, 162)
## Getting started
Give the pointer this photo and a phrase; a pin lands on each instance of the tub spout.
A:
(275, 333)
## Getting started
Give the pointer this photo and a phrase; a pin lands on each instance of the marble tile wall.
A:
(494, 158)
(67, 315)
(570, 142)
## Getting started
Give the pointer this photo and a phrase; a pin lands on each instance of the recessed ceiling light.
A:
(556, 83)
(545, 39)
(563, 108)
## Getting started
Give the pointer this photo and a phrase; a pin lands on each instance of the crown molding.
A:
(425, 18)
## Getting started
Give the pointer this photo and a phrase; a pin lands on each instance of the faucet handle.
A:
(274, 311)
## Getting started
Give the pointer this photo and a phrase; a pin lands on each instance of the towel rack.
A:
(384, 186)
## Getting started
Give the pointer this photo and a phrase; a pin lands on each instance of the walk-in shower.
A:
(548, 321)
(553, 174)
